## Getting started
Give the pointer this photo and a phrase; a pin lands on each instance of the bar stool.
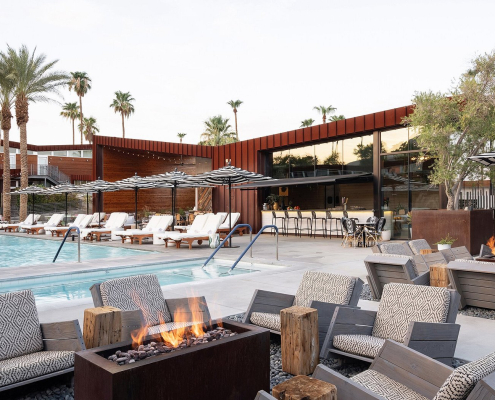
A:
(337, 223)
(287, 222)
(274, 222)
(309, 223)
(323, 224)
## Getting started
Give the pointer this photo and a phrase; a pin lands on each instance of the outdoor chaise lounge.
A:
(97, 220)
(401, 373)
(30, 351)
(81, 221)
(54, 221)
(475, 282)
(226, 226)
(318, 290)
(210, 227)
(142, 303)
(114, 224)
(196, 225)
(157, 224)
(30, 220)
(421, 317)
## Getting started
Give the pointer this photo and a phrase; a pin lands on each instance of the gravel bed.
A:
(478, 312)
(366, 293)
(60, 392)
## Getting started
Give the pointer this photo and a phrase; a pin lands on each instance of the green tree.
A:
(235, 105)
(181, 136)
(455, 125)
(6, 103)
(324, 111)
(33, 79)
(217, 132)
(80, 83)
(307, 123)
(70, 111)
(89, 128)
(333, 159)
(334, 118)
(123, 104)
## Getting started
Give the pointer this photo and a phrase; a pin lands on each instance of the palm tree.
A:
(181, 135)
(89, 128)
(235, 105)
(80, 82)
(71, 112)
(307, 122)
(334, 118)
(33, 79)
(217, 132)
(6, 102)
(122, 104)
(324, 111)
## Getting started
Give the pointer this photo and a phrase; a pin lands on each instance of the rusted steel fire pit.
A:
(233, 367)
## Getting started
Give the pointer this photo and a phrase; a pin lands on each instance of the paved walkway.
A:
(230, 295)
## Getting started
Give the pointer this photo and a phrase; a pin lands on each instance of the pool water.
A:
(72, 286)
(18, 251)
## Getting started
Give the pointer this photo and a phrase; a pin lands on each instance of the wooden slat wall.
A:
(72, 165)
(51, 147)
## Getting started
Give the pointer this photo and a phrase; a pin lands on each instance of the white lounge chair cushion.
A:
(321, 286)
(417, 245)
(383, 386)
(32, 365)
(402, 304)
(396, 248)
(463, 379)
(140, 292)
(362, 345)
(20, 331)
(169, 326)
(266, 320)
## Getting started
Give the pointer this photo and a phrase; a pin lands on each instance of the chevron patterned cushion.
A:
(141, 292)
(30, 366)
(403, 303)
(396, 248)
(384, 386)
(20, 331)
(463, 379)
(266, 320)
(417, 245)
(169, 326)
(328, 288)
(362, 345)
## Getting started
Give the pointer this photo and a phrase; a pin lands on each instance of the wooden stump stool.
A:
(427, 251)
(439, 276)
(102, 326)
(299, 339)
(304, 388)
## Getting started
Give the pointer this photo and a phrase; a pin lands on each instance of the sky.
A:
(183, 61)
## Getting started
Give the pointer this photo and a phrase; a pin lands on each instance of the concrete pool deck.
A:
(231, 295)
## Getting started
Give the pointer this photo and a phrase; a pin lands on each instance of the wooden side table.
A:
(305, 388)
(439, 276)
(102, 326)
(299, 340)
(427, 251)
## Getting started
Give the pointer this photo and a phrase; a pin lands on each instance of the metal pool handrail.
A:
(78, 243)
(249, 246)
(227, 238)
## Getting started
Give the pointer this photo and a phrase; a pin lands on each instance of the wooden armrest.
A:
(262, 395)
(432, 331)
(423, 279)
(484, 389)
(268, 302)
(346, 389)
(189, 309)
(96, 294)
(65, 335)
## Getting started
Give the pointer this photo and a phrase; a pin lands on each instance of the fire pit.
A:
(486, 252)
(231, 365)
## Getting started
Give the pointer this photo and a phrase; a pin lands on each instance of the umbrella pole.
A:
(33, 207)
(230, 211)
(66, 220)
(99, 197)
(135, 205)
(87, 203)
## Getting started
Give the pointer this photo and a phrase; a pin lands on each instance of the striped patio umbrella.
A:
(66, 188)
(98, 186)
(487, 159)
(31, 190)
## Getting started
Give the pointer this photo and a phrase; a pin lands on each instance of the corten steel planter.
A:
(232, 368)
(470, 228)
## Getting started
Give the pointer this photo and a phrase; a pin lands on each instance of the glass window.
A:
(424, 195)
(281, 164)
(74, 153)
(44, 153)
(358, 154)
(13, 151)
(60, 153)
(88, 153)
(302, 162)
(328, 158)
(394, 140)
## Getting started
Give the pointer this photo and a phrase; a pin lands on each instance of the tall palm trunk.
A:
(236, 133)
(6, 125)
(73, 132)
(80, 112)
(123, 129)
(22, 116)
(324, 118)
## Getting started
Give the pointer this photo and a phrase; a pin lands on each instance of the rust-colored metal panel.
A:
(284, 138)
(216, 157)
(270, 142)
(379, 120)
(299, 136)
(349, 126)
(389, 117)
(399, 114)
(277, 140)
(264, 142)
(315, 132)
(307, 134)
(410, 109)
(341, 127)
(332, 129)
(209, 151)
(323, 131)
(292, 137)
(221, 156)
(369, 122)
(359, 123)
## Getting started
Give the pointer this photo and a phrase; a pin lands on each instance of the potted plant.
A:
(273, 200)
(446, 242)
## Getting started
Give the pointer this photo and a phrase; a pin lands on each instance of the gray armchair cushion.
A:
(20, 331)
(30, 366)
(266, 320)
(396, 248)
(417, 245)
(362, 345)
(402, 304)
(463, 379)
(321, 286)
(141, 292)
(384, 386)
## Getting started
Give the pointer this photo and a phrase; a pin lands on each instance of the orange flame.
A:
(138, 335)
(491, 244)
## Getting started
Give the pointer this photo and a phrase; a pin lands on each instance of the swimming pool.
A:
(18, 251)
(72, 286)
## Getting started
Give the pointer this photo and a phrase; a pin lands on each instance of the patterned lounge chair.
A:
(142, 303)
(420, 317)
(318, 290)
(30, 351)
